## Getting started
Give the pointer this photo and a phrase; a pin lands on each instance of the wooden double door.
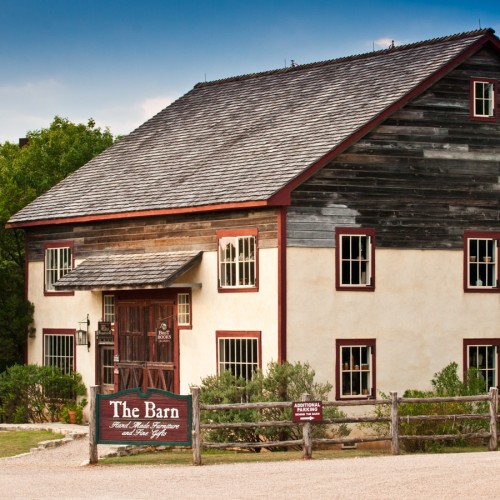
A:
(147, 345)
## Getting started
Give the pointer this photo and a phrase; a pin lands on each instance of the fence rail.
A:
(307, 441)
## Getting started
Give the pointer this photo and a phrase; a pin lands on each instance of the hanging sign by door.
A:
(163, 333)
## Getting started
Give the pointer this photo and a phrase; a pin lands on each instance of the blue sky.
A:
(119, 61)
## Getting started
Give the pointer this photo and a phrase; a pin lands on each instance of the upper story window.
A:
(238, 265)
(355, 259)
(481, 261)
(483, 99)
(355, 372)
(183, 309)
(58, 262)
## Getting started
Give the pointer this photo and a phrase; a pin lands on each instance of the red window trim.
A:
(58, 244)
(339, 231)
(239, 232)
(59, 331)
(492, 235)
(493, 118)
(235, 334)
(190, 325)
(480, 342)
(338, 360)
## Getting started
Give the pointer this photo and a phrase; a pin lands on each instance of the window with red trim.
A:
(355, 369)
(239, 353)
(483, 355)
(483, 99)
(59, 349)
(481, 261)
(237, 260)
(184, 310)
(355, 259)
(58, 262)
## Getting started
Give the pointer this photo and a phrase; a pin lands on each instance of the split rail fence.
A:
(307, 442)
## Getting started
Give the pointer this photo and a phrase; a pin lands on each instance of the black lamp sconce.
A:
(82, 336)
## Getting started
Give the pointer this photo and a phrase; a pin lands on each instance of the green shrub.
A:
(32, 393)
(282, 382)
(445, 383)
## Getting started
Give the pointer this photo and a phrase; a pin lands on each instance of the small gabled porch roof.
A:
(131, 271)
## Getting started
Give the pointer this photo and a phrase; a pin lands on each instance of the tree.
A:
(50, 155)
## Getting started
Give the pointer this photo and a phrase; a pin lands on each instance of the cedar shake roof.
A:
(245, 140)
(117, 272)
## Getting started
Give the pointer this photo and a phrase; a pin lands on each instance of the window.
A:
(355, 259)
(355, 369)
(237, 260)
(482, 354)
(107, 365)
(59, 349)
(481, 261)
(108, 304)
(58, 262)
(238, 352)
(483, 99)
(183, 309)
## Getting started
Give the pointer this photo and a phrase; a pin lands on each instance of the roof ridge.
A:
(366, 55)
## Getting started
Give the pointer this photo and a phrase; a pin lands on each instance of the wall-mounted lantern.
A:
(82, 336)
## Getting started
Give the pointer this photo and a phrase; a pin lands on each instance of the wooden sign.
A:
(307, 411)
(157, 418)
(163, 334)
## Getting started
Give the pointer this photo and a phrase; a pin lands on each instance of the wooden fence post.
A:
(493, 443)
(93, 455)
(394, 424)
(195, 393)
(307, 434)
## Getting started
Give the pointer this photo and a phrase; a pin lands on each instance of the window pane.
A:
(238, 355)
(483, 359)
(59, 351)
(355, 371)
(237, 261)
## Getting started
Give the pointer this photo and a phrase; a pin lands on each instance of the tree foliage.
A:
(50, 155)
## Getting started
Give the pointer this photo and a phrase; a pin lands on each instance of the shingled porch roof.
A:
(127, 271)
(247, 140)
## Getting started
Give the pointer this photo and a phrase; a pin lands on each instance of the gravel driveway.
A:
(58, 473)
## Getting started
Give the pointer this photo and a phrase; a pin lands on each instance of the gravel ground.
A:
(57, 473)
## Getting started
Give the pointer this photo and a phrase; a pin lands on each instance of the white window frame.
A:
(237, 255)
(58, 262)
(483, 97)
(355, 259)
(59, 350)
(239, 353)
(184, 309)
(109, 308)
(481, 254)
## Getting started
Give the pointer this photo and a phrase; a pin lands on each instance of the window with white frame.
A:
(355, 369)
(483, 355)
(483, 98)
(58, 262)
(59, 350)
(237, 260)
(355, 259)
(238, 353)
(183, 309)
(108, 304)
(481, 261)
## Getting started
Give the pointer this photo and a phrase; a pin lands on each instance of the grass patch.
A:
(16, 442)
(185, 457)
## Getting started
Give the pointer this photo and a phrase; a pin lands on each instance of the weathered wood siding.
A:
(154, 234)
(422, 178)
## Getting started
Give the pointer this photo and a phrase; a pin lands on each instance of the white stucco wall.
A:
(63, 312)
(418, 314)
(211, 311)
(214, 311)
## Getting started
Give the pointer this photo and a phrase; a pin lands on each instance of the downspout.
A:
(282, 284)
